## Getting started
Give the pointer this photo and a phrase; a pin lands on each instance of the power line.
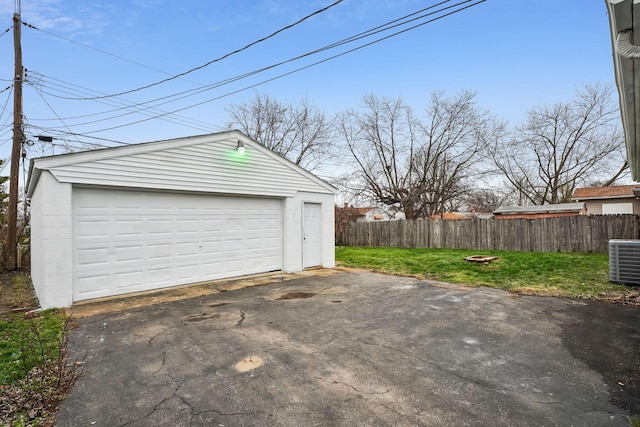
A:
(99, 50)
(4, 108)
(301, 68)
(57, 132)
(163, 114)
(219, 58)
(54, 112)
(119, 104)
(376, 30)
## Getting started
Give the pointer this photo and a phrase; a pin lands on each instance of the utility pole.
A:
(12, 214)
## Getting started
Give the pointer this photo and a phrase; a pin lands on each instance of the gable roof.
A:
(613, 192)
(205, 163)
(540, 209)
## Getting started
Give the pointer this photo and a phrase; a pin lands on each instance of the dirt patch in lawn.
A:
(16, 293)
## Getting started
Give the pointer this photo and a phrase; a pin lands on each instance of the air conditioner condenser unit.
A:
(624, 261)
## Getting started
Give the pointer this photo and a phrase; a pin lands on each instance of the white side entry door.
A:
(312, 235)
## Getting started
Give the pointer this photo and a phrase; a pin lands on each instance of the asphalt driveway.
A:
(358, 349)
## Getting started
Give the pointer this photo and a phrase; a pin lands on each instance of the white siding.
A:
(212, 166)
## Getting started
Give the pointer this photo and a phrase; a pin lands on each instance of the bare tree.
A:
(484, 200)
(301, 132)
(422, 167)
(563, 146)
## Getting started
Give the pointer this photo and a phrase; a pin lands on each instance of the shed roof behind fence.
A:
(540, 209)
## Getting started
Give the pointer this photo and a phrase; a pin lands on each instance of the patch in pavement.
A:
(296, 295)
(249, 363)
(203, 316)
(219, 304)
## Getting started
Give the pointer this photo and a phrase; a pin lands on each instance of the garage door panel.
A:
(91, 286)
(88, 229)
(92, 257)
(129, 279)
(191, 248)
(128, 253)
(128, 241)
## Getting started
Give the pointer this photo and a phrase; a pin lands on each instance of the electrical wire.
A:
(57, 134)
(385, 27)
(118, 104)
(375, 30)
(101, 51)
(298, 69)
(54, 112)
(356, 37)
(4, 108)
(5, 31)
(184, 73)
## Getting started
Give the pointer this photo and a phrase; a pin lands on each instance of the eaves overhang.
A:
(624, 23)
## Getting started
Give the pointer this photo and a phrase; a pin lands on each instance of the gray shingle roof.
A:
(560, 207)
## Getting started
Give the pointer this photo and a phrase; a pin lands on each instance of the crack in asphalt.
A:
(150, 341)
(360, 391)
(242, 317)
(241, 333)
(155, 407)
(164, 360)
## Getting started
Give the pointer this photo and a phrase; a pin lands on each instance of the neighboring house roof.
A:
(626, 46)
(363, 211)
(449, 215)
(540, 209)
(204, 163)
(354, 210)
(614, 192)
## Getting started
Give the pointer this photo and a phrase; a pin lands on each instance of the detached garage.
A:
(168, 213)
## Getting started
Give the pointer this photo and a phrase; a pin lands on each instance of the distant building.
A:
(540, 211)
(619, 199)
(347, 213)
(450, 215)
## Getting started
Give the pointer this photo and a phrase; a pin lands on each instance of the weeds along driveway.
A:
(356, 348)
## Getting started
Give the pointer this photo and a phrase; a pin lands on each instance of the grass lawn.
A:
(535, 273)
(34, 372)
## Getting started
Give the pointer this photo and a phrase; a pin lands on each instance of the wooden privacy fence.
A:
(563, 234)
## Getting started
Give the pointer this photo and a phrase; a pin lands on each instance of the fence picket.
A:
(562, 234)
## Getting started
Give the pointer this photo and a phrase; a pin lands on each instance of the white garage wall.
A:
(51, 242)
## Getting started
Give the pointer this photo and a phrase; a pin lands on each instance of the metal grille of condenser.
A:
(624, 261)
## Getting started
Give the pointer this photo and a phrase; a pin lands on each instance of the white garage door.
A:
(127, 241)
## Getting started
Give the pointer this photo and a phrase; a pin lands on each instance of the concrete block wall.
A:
(51, 242)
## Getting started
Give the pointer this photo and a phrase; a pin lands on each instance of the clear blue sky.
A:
(515, 53)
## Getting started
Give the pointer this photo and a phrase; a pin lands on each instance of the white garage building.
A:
(169, 213)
